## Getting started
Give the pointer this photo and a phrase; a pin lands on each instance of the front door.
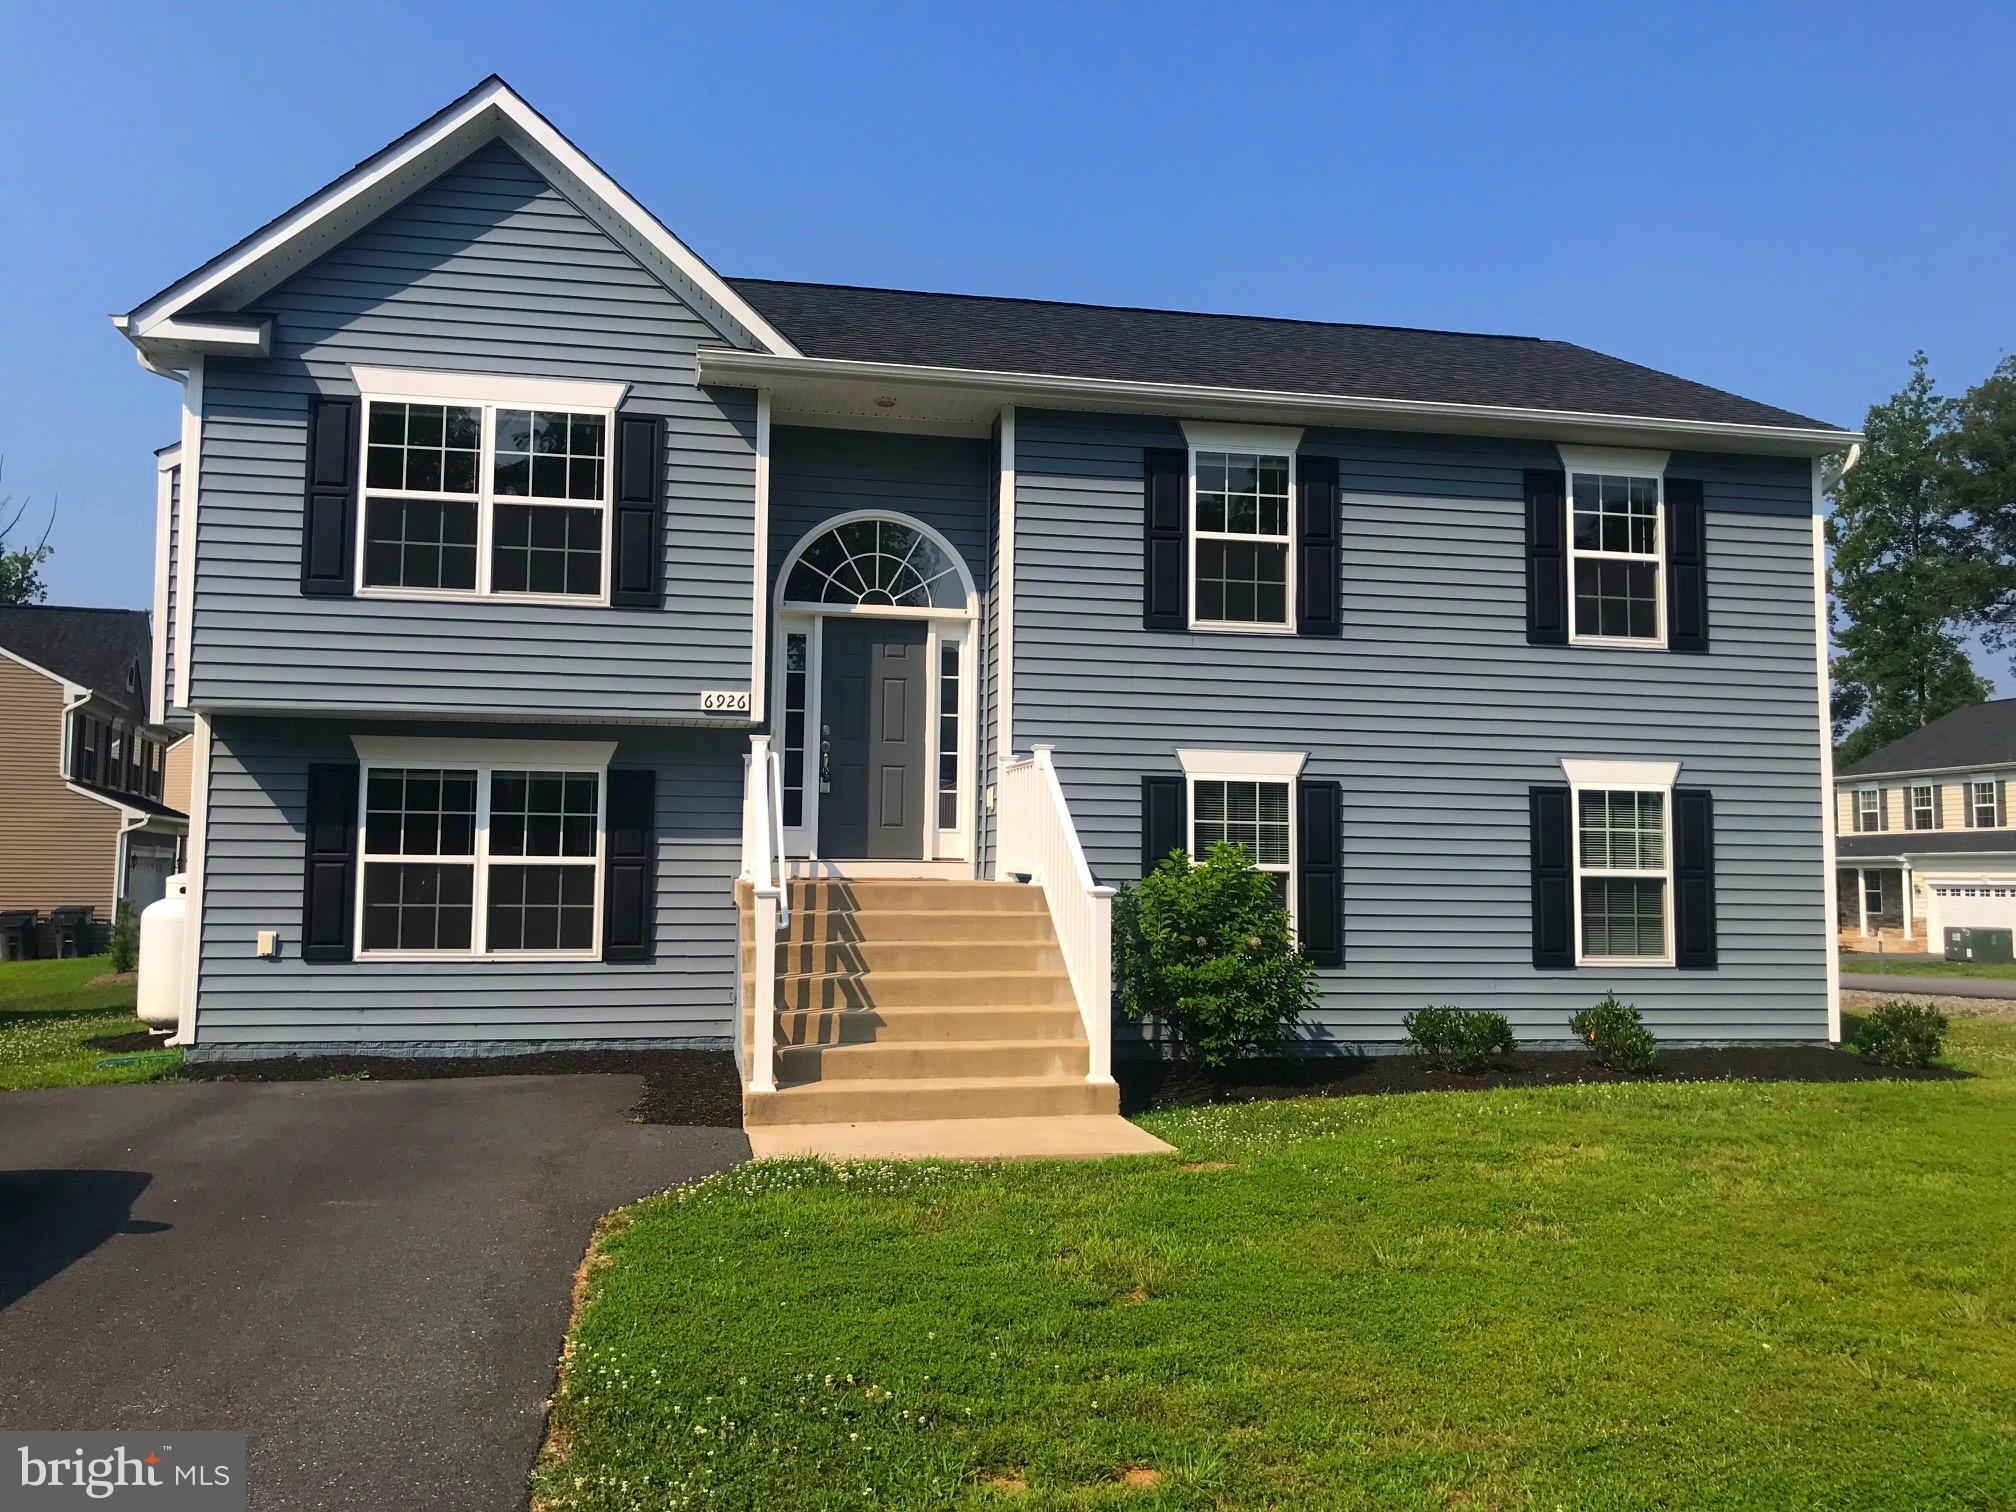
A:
(871, 711)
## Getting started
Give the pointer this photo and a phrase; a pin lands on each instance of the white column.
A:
(1862, 899)
(1906, 875)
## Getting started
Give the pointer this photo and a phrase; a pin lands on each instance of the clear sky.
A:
(1783, 201)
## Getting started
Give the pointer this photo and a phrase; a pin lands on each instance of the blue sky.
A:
(1783, 204)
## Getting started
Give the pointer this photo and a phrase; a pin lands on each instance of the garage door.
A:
(1975, 905)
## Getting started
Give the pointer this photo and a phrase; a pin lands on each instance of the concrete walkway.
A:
(1086, 1136)
(1929, 986)
(371, 1279)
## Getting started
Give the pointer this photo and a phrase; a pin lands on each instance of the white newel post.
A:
(762, 867)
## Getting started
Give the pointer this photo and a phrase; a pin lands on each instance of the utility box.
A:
(1977, 944)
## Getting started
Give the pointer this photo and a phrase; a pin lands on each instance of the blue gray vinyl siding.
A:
(174, 588)
(1436, 716)
(253, 862)
(490, 270)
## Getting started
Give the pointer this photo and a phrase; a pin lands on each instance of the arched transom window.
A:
(876, 561)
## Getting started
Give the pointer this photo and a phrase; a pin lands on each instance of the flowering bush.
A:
(1902, 1033)
(1617, 1033)
(1453, 1040)
(1205, 947)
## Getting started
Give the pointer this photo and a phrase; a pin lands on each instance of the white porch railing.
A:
(1037, 838)
(763, 869)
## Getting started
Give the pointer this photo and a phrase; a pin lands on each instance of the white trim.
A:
(1004, 601)
(1212, 435)
(1622, 776)
(485, 758)
(435, 750)
(1284, 541)
(166, 463)
(1265, 766)
(1628, 460)
(1655, 559)
(887, 611)
(192, 488)
(731, 368)
(487, 388)
(503, 394)
(1911, 790)
(193, 871)
(491, 109)
(229, 336)
(1876, 793)
(759, 619)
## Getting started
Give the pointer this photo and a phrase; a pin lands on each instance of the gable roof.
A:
(198, 311)
(1237, 351)
(90, 647)
(1978, 735)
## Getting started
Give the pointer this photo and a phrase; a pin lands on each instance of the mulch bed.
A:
(125, 1044)
(692, 1087)
(1146, 1086)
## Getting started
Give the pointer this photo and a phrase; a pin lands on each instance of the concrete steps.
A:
(900, 1000)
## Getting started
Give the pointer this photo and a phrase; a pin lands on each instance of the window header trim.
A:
(1617, 461)
(1262, 766)
(488, 388)
(1646, 776)
(447, 751)
(1210, 435)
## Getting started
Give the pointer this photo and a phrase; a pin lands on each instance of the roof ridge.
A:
(1085, 304)
(77, 608)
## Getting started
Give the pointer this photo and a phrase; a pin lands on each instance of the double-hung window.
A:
(500, 492)
(1247, 799)
(1924, 807)
(1616, 543)
(1984, 807)
(1623, 862)
(1868, 810)
(1242, 552)
(498, 858)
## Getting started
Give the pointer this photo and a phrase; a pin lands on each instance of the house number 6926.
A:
(722, 701)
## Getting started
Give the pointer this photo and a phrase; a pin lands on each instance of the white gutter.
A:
(738, 369)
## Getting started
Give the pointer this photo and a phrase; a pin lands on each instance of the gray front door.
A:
(871, 712)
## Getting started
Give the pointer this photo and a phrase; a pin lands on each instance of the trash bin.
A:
(17, 934)
(66, 928)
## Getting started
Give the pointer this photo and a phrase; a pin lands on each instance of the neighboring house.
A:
(1927, 841)
(529, 552)
(93, 794)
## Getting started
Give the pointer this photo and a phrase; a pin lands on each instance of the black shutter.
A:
(1320, 879)
(1686, 566)
(636, 576)
(2001, 803)
(1882, 809)
(329, 879)
(1319, 558)
(1694, 878)
(629, 870)
(1165, 523)
(1938, 805)
(1553, 878)
(1163, 820)
(1546, 558)
(329, 505)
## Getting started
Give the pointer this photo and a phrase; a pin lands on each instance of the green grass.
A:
(1857, 963)
(48, 1009)
(1617, 1296)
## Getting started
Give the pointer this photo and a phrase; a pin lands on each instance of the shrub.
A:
(1901, 1033)
(1617, 1034)
(1453, 1040)
(125, 939)
(1206, 948)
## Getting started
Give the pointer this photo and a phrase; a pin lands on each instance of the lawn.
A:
(1857, 963)
(49, 1008)
(1619, 1296)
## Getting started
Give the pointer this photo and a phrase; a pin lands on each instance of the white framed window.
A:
(1868, 809)
(1242, 527)
(481, 850)
(1247, 798)
(485, 487)
(1924, 806)
(1623, 823)
(1616, 558)
(1984, 803)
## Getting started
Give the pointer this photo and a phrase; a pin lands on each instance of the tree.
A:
(21, 566)
(1980, 451)
(1904, 577)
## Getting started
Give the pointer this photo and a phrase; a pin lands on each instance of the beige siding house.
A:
(91, 795)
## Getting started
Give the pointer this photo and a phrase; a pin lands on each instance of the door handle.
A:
(825, 758)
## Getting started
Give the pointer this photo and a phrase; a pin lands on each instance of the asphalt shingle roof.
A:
(1234, 351)
(91, 647)
(1982, 734)
(1924, 843)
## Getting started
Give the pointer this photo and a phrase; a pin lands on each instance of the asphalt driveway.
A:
(372, 1279)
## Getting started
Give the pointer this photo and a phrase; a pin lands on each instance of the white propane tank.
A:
(164, 926)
